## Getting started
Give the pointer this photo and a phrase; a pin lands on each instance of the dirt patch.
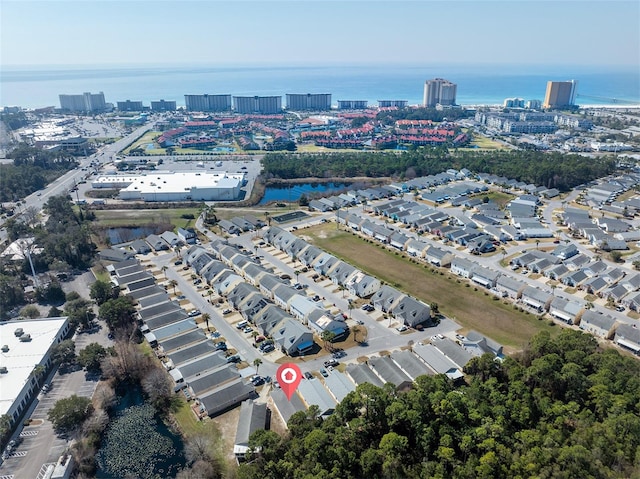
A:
(227, 424)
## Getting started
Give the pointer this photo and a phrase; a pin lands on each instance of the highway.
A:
(64, 183)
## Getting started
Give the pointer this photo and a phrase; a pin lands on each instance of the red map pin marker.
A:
(289, 376)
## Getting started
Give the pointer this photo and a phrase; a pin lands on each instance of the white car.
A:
(401, 328)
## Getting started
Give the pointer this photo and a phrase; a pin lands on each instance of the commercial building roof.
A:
(20, 357)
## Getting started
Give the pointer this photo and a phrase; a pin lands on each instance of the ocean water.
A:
(477, 84)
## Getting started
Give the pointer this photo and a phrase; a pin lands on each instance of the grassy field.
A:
(114, 218)
(470, 306)
(485, 143)
(500, 198)
(143, 141)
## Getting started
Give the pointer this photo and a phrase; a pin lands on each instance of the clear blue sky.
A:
(550, 32)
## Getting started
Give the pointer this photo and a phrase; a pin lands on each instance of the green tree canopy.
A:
(69, 413)
(118, 313)
(102, 291)
(563, 408)
(91, 356)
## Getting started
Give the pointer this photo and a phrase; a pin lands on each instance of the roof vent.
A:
(19, 332)
(3, 370)
(25, 338)
(5, 348)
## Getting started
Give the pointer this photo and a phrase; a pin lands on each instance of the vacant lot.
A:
(114, 218)
(472, 307)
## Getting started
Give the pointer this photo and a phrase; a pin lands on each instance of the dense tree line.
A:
(553, 170)
(562, 409)
(32, 169)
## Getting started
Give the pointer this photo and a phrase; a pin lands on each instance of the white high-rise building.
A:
(439, 92)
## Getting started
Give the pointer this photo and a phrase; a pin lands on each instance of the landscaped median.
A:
(469, 305)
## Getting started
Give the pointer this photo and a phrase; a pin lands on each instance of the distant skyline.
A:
(145, 32)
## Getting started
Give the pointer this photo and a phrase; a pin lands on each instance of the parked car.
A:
(234, 359)
(257, 380)
(241, 324)
(247, 330)
(268, 348)
(221, 346)
(178, 263)
(194, 312)
(226, 311)
(308, 375)
(331, 362)
(324, 372)
(401, 328)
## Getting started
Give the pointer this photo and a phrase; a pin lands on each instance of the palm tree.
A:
(173, 283)
(37, 372)
(297, 273)
(350, 306)
(257, 362)
(327, 337)
(355, 330)
(177, 250)
(164, 270)
(206, 317)
(210, 292)
(537, 243)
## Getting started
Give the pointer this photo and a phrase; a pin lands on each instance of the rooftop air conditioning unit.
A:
(25, 338)
(3, 370)
(5, 348)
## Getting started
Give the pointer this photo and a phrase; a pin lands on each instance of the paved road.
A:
(65, 182)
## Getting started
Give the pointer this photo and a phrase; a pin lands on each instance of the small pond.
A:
(138, 444)
(293, 192)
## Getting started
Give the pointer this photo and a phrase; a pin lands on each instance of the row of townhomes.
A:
(265, 300)
(563, 264)
(402, 307)
(400, 368)
(194, 361)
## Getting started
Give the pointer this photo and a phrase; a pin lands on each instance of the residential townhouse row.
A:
(402, 307)
(563, 264)
(193, 360)
(400, 368)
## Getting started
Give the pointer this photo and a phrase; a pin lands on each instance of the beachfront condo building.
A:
(264, 105)
(211, 103)
(560, 94)
(309, 101)
(352, 104)
(392, 103)
(163, 105)
(129, 105)
(439, 92)
(88, 102)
